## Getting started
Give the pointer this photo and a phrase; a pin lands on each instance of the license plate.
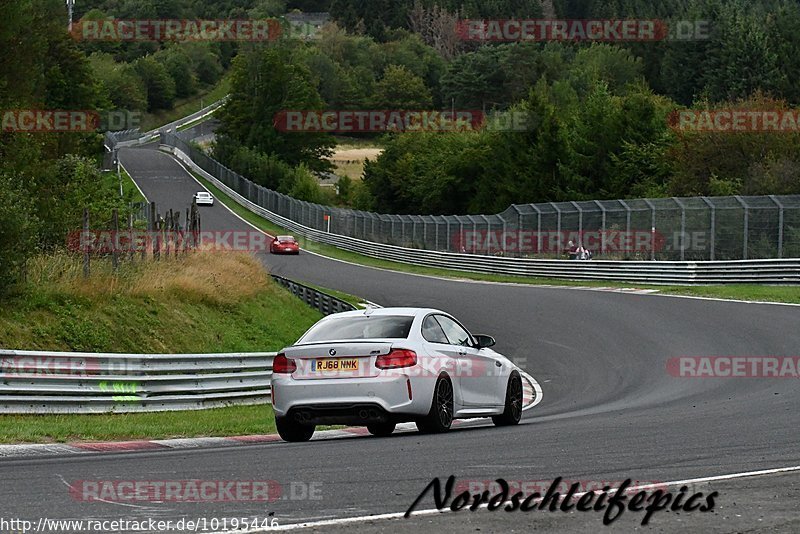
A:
(338, 364)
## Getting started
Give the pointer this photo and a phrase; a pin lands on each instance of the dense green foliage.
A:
(595, 116)
(46, 179)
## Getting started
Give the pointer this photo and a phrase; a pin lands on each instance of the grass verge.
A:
(230, 421)
(203, 302)
(749, 292)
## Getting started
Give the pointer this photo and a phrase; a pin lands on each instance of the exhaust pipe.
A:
(363, 414)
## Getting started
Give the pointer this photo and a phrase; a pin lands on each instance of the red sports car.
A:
(284, 244)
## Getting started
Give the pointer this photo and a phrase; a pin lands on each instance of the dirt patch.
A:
(356, 154)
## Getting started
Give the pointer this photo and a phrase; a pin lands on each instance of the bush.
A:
(18, 229)
(160, 85)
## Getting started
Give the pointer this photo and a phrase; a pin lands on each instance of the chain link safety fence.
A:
(665, 229)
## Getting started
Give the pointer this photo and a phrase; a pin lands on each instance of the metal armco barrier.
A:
(77, 382)
(127, 138)
(44, 382)
(781, 271)
(323, 302)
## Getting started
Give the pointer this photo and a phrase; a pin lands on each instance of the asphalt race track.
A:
(610, 411)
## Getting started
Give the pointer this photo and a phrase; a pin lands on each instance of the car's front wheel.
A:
(513, 405)
(381, 429)
(440, 416)
(291, 431)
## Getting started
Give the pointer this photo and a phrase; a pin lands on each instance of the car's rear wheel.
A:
(440, 416)
(291, 431)
(381, 429)
(513, 405)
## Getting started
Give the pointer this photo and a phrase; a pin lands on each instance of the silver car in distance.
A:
(380, 367)
(204, 197)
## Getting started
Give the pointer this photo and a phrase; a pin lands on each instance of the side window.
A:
(454, 331)
(432, 332)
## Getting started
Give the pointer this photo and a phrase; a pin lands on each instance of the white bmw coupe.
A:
(380, 367)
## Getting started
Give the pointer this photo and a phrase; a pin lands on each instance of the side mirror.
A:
(484, 342)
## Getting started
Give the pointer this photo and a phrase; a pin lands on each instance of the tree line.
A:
(597, 114)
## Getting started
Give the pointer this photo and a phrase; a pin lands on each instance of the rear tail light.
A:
(396, 359)
(282, 365)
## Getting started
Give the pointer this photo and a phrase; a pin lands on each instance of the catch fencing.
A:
(664, 229)
(762, 271)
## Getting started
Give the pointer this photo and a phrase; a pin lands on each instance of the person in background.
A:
(572, 250)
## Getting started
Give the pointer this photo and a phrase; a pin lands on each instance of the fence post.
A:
(157, 241)
(713, 226)
(683, 226)
(746, 226)
(603, 229)
(652, 230)
(131, 240)
(558, 226)
(627, 220)
(115, 240)
(86, 246)
(780, 224)
(168, 233)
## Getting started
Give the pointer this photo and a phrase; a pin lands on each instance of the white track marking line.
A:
(620, 291)
(728, 300)
(133, 180)
(434, 511)
(193, 177)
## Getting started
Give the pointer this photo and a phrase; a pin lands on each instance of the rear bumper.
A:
(355, 414)
(341, 401)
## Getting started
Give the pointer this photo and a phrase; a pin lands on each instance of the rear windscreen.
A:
(360, 327)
